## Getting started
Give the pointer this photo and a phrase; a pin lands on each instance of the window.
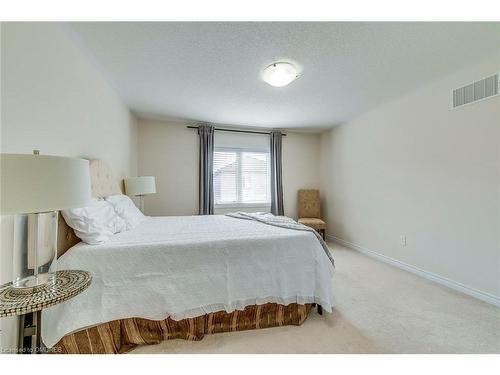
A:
(241, 177)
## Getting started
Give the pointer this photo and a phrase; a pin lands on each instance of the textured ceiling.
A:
(211, 71)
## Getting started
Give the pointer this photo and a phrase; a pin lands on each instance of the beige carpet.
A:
(380, 309)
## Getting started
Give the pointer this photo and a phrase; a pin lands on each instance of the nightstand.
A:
(28, 304)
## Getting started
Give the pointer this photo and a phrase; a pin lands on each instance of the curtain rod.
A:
(236, 131)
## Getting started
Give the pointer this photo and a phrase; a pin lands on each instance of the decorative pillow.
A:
(126, 209)
(96, 223)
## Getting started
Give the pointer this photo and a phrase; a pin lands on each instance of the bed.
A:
(184, 277)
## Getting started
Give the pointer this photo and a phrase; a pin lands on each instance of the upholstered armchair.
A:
(310, 211)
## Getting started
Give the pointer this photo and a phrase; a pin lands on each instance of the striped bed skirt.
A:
(121, 336)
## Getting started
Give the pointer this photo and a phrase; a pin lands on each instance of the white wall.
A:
(301, 158)
(169, 151)
(415, 167)
(55, 100)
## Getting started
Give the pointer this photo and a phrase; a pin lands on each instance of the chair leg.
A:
(322, 232)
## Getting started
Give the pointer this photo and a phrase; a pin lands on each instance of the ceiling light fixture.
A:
(280, 74)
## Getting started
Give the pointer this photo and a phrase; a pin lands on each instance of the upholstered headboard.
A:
(103, 183)
(102, 180)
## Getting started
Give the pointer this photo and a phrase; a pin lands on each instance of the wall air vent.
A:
(476, 91)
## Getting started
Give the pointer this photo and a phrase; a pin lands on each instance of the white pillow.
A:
(96, 223)
(126, 209)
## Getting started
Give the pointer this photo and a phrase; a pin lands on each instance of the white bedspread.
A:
(187, 266)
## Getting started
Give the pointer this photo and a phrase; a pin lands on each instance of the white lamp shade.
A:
(142, 185)
(41, 183)
(280, 74)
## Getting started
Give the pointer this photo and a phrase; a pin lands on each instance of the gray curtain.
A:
(276, 175)
(206, 188)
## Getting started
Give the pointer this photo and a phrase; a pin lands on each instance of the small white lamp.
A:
(139, 187)
(40, 185)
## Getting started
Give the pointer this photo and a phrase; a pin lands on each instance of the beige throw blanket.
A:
(282, 222)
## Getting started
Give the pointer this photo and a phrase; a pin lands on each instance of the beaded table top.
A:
(68, 284)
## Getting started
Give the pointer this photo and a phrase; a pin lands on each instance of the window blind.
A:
(241, 176)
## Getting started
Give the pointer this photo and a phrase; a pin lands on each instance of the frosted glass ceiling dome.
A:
(280, 74)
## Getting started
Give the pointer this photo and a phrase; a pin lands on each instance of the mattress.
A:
(187, 266)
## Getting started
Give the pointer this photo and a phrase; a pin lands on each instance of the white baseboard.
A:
(483, 296)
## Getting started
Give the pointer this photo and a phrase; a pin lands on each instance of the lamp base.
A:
(141, 203)
(35, 282)
(34, 252)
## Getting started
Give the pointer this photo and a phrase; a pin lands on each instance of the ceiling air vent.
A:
(476, 91)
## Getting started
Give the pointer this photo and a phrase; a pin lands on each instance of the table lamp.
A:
(39, 186)
(139, 187)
